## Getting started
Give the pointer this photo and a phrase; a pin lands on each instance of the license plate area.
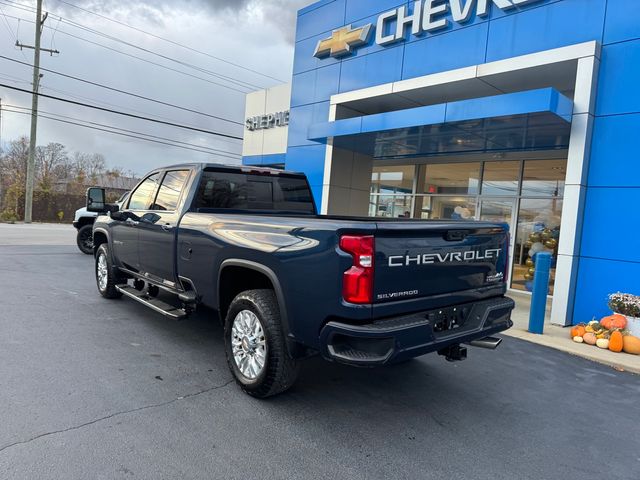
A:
(448, 319)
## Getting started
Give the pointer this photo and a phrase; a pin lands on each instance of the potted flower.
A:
(629, 306)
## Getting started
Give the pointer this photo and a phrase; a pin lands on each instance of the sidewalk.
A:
(558, 337)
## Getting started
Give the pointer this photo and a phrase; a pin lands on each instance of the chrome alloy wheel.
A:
(248, 344)
(102, 272)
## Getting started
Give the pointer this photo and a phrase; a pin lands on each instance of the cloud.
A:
(280, 13)
(256, 34)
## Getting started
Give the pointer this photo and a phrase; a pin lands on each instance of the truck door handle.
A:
(167, 227)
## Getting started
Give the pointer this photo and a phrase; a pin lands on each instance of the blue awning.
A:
(530, 120)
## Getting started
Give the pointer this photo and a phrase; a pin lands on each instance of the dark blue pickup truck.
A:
(288, 283)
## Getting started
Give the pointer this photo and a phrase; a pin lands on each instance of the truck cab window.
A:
(142, 197)
(247, 191)
(170, 190)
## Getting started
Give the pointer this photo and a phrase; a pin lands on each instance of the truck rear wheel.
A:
(84, 239)
(255, 345)
(105, 277)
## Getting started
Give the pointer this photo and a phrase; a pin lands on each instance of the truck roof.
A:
(239, 168)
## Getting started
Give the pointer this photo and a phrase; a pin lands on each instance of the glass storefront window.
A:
(452, 178)
(393, 179)
(544, 178)
(497, 210)
(396, 206)
(446, 208)
(422, 207)
(538, 230)
(526, 194)
(501, 178)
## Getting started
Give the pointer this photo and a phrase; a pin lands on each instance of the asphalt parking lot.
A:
(93, 388)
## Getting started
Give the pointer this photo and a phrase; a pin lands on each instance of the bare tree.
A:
(52, 164)
(13, 173)
(57, 173)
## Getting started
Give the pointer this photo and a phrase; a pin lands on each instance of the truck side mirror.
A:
(96, 200)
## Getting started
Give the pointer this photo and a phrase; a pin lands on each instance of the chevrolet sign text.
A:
(449, 257)
(424, 16)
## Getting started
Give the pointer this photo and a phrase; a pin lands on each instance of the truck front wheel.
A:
(104, 273)
(256, 346)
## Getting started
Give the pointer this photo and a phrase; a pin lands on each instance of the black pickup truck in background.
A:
(288, 283)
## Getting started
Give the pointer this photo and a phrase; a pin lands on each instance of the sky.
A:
(254, 34)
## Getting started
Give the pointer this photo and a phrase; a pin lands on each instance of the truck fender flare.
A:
(270, 274)
(106, 234)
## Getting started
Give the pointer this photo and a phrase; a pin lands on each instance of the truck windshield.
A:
(248, 191)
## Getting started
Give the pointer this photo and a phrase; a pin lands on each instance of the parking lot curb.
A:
(618, 361)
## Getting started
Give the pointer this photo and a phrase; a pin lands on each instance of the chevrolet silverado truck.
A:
(288, 283)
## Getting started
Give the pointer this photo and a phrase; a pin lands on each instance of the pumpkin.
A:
(614, 321)
(577, 331)
(589, 338)
(602, 343)
(616, 341)
(631, 344)
(578, 339)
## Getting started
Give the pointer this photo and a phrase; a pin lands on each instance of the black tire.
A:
(280, 370)
(109, 288)
(84, 239)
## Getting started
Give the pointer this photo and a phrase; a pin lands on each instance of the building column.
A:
(575, 190)
(347, 179)
(347, 183)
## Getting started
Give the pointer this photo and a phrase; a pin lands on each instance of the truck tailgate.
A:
(422, 259)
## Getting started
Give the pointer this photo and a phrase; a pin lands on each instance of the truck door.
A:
(157, 229)
(125, 232)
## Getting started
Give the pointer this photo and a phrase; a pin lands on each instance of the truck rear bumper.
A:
(396, 339)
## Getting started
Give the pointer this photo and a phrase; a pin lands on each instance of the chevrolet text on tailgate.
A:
(288, 283)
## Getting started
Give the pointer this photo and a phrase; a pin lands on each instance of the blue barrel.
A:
(539, 294)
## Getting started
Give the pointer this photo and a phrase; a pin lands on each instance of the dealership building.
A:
(522, 111)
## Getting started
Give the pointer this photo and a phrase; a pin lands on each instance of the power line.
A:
(124, 92)
(139, 58)
(238, 82)
(122, 134)
(16, 79)
(181, 45)
(165, 57)
(216, 150)
(109, 110)
(81, 97)
(11, 34)
(99, 102)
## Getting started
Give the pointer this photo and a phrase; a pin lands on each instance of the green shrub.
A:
(8, 216)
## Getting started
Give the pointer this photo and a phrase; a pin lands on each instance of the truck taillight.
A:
(357, 282)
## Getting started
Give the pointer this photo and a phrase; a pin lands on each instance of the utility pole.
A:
(31, 164)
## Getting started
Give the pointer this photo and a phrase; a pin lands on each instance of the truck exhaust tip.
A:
(487, 342)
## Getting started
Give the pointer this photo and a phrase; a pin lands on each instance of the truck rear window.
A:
(247, 191)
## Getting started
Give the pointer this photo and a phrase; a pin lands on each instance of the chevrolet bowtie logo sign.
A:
(420, 17)
(342, 41)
